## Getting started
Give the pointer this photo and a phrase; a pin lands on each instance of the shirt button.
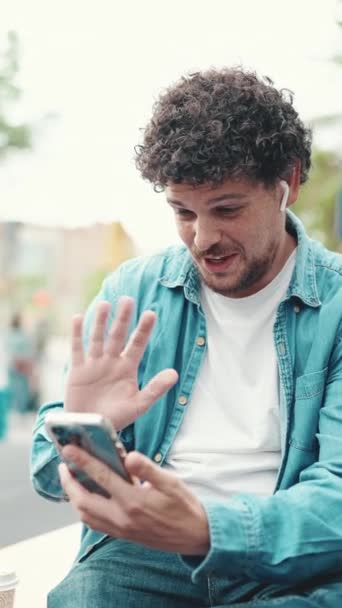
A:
(282, 348)
(157, 457)
(296, 308)
(200, 341)
(182, 400)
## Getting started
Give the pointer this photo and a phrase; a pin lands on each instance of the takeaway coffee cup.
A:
(8, 583)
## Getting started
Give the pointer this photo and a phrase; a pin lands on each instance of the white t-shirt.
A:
(229, 440)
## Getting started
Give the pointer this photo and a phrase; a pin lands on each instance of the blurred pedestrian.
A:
(41, 336)
(22, 381)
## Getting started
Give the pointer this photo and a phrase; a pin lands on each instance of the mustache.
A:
(214, 251)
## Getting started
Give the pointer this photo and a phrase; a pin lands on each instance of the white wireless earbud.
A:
(286, 189)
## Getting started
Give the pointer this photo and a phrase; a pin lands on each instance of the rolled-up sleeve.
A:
(45, 458)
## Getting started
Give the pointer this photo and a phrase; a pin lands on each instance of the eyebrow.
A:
(217, 199)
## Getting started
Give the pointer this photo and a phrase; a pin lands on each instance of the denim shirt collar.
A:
(181, 271)
(303, 283)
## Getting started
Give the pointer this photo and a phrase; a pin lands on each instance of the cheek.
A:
(264, 241)
(185, 232)
(241, 235)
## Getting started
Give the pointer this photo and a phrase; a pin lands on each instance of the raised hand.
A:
(104, 380)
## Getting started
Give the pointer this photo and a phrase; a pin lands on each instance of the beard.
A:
(250, 273)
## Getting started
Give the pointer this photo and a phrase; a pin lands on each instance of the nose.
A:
(206, 234)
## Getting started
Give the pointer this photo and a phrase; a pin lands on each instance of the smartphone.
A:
(93, 433)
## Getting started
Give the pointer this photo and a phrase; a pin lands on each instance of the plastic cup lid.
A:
(8, 578)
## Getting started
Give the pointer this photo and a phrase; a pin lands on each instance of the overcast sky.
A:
(99, 65)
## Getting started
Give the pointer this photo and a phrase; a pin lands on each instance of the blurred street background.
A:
(77, 83)
(24, 514)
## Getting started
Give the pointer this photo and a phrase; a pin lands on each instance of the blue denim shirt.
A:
(296, 532)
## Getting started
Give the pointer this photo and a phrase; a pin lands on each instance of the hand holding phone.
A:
(94, 434)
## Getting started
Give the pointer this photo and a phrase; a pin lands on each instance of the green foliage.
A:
(12, 135)
(316, 205)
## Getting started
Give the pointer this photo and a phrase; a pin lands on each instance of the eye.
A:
(184, 213)
(228, 210)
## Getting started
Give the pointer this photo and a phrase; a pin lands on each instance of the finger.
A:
(98, 471)
(87, 504)
(119, 329)
(77, 353)
(141, 466)
(96, 339)
(156, 388)
(74, 490)
(138, 340)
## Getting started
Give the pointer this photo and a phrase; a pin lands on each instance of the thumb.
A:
(156, 388)
(142, 467)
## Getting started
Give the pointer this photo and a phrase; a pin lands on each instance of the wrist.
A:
(200, 544)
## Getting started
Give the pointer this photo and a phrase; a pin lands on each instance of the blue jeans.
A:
(120, 574)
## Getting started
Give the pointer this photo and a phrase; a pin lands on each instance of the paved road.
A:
(23, 513)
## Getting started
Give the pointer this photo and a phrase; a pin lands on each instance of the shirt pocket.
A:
(309, 398)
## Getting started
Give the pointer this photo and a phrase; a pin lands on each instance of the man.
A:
(228, 392)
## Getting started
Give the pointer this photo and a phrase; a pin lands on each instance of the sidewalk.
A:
(41, 563)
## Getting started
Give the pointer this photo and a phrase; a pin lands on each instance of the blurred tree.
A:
(12, 135)
(316, 205)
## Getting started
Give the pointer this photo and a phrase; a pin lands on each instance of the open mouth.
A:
(219, 263)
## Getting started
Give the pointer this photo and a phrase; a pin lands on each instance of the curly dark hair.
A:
(223, 123)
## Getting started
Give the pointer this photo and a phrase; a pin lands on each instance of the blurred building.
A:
(55, 271)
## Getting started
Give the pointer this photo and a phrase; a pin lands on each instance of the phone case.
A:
(93, 434)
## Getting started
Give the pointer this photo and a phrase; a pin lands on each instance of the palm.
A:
(105, 379)
(109, 389)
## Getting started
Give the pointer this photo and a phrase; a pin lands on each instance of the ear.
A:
(294, 184)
